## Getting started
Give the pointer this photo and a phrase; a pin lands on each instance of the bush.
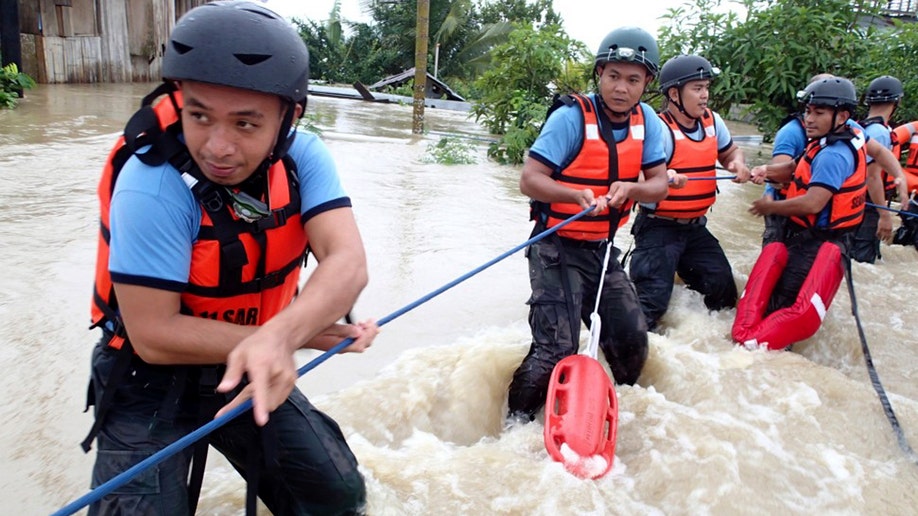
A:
(449, 151)
(12, 83)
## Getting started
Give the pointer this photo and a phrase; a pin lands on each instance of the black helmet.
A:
(629, 44)
(836, 92)
(239, 44)
(684, 68)
(885, 88)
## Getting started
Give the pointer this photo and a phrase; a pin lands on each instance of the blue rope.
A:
(900, 212)
(96, 494)
(714, 178)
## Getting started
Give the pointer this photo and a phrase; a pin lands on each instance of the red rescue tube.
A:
(752, 303)
(581, 417)
(798, 321)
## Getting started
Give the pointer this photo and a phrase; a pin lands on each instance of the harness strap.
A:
(262, 453)
(119, 369)
(209, 402)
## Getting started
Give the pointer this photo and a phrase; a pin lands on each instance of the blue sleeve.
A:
(320, 186)
(654, 137)
(831, 166)
(559, 142)
(790, 140)
(724, 138)
(154, 223)
(880, 133)
(669, 144)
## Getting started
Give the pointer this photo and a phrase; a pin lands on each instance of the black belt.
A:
(583, 244)
(695, 220)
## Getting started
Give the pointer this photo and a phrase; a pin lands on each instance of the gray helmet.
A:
(239, 44)
(630, 45)
(684, 68)
(836, 92)
(885, 88)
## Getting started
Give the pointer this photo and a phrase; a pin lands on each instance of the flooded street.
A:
(709, 429)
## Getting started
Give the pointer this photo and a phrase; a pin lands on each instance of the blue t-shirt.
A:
(724, 138)
(830, 168)
(881, 134)
(154, 217)
(791, 140)
(562, 136)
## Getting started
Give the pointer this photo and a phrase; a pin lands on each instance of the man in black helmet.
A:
(208, 205)
(671, 236)
(590, 154)
(789, 145)
(794, 280)
(882, 99)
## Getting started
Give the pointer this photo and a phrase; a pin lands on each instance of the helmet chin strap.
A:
(284, 136)
(610, 110)
(679, 105)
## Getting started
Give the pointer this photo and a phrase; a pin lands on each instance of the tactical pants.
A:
(557, 306)
(866, 245)
(314, 471)
(663, 248)
(907, 232)
(774, 229)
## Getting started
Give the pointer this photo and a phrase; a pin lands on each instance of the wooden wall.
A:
(97, 40)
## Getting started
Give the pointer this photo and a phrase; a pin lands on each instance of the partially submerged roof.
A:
(435, 87)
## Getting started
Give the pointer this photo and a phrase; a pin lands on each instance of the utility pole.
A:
(420, 65)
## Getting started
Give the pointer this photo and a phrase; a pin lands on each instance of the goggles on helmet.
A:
(247, 207)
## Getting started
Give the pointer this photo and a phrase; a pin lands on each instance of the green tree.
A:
(465, 31)
(769, 56)
(895, 52)
(518, 87)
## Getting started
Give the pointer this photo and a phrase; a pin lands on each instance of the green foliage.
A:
(769, 56)
(449, 151)
(895, 53)
(516, 90)
(12, 83)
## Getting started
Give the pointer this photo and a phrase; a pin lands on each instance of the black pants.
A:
(907, 232)
(315, 473)
(774, 229)
(663, 248)
(555, 322)
(866, 245)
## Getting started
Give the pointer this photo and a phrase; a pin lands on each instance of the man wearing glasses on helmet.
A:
(602, 151)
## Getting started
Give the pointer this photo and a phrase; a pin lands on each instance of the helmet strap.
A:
(607, 108)
(678, 103)
(284, 135)
(597, 79)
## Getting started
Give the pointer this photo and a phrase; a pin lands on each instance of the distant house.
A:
(435, 89)
(97, 40)
(905, 9)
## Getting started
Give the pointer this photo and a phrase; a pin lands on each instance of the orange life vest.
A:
(600, 162)
(846, 207)
(907, 134)
(232, 278)
(694, 159)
